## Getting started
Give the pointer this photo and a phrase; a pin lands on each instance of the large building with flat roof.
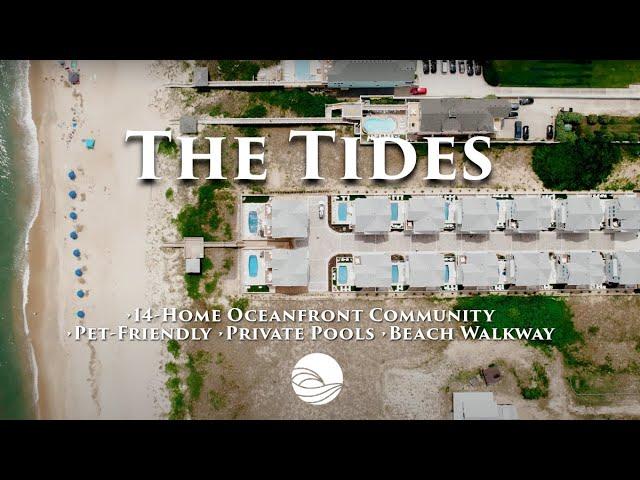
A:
(462, 116)
(371, 73)
(481, 406)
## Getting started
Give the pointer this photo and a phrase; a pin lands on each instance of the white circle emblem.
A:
(317, 378)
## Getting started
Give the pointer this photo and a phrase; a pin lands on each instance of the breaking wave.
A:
(311, 388)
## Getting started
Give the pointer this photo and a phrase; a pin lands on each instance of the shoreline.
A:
(39, 303)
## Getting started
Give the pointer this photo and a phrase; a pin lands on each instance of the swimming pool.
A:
(253, 266)
(253, 221)
(342, 212)
(343, 274)
(378, 125)
(303, 70)
(395, 274)
(446, 210)
(394, 212)
(446, 274)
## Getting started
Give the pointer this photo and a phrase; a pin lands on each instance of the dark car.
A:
(549, 132)
(470, 68)
(525, 132)
(526, 101)
(425, 66)
(513, 114)
(434, 66)
(478, 68)
(518, 131)
(452, 66)
(461, 66)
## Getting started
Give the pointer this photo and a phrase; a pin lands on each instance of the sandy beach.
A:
(81, 379)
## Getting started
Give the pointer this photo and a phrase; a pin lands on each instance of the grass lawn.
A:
(554, 73)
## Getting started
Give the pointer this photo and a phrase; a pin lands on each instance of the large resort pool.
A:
(378, 126)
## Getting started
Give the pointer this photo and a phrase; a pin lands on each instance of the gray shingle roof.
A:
(427, 214)
(584, 213)
(478, 214)
(426, 269)
(628, 212)
(372, 215)
(188, 124)
(481, 270)
(628, 268)
(585, 268)
(461, 115)
(289, 218)
(201, 77)
(290, 268)
(531, 268)
(532, 213)
(365, 71)
(374, 270)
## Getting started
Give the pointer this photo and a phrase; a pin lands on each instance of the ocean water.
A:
(19, 199)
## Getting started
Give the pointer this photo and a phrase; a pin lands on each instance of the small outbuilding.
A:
(201, 77)
(188, 125)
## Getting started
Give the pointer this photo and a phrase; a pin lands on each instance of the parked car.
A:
(425, 66)
(515, 106)
(478, 68)
(549, 132)
(525, 132)
(418, 90)
(320, 209)
(445, 67)
(518, 130)
(513, 114)
(452, 66)
(461, 66)
(470, 68)
(526, 101)
(434, 66)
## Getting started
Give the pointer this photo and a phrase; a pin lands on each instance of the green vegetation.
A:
(169, 194)
(171, 368)
(301, 102)
(539, 385)
(255, 111)
(174, 348)
(219, 358)
(529, 312)
(255, 199)
(554, 73)
(196, 368)
(238, 69)
(168, 148)
(228, 263)
(192, 284)
(203, 218)
(258, 289)
(239, 302)
(217, 400)
(216, 110)
(582, 164)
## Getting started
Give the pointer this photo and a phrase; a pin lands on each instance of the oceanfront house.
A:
(277, 270)
(278, 218)
(481, 214)
(622, 268)
(481, 406)
(579, 269)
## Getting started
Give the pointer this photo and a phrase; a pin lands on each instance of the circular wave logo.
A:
(317, 378)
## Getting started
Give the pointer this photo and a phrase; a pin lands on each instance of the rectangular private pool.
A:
(253, 221)
(253, 266)
(343, 275)
(395, 274)
(342, 212)
(394, 212)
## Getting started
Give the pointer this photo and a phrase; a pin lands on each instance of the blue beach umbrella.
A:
(74, 235)
(76, 253)
(80, 313)
(73, 194)
(78, 272)
(73, 216)
(80, 293)
(71, 175)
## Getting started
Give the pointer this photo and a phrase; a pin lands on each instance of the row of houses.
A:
(424, 214)
(528, 270)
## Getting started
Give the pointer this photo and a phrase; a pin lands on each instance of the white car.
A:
(320, 209)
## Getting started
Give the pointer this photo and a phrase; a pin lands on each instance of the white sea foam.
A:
(31, 155)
